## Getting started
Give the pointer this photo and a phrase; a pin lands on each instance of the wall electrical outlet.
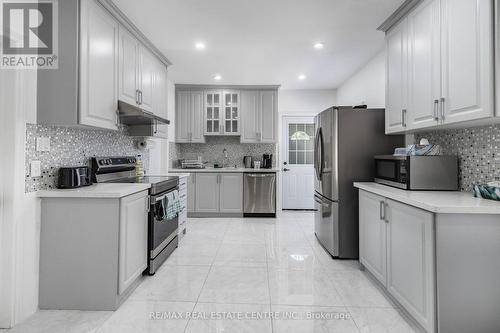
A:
(42, 144)
(35, 169)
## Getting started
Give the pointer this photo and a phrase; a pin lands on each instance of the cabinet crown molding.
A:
(398, 14)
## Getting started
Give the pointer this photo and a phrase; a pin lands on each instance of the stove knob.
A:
(101, 162)
(110, 161)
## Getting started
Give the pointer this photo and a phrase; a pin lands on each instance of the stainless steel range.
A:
(162, 230)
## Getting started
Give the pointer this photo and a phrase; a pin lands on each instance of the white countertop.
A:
(442, 202)
(218, 170)
(101, 190)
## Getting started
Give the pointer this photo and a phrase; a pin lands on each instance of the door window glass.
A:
(300, 143)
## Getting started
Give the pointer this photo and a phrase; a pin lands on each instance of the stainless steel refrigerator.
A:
(345, 143)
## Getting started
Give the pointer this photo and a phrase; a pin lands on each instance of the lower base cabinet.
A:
(92, 258)
(219, 193)
(397, 247)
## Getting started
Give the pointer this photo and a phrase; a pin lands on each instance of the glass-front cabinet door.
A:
(231, 125)
(213, 112)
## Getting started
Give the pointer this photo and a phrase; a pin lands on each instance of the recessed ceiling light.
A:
(302, 77)
(217, 77)
(199, 46)
(319, 45)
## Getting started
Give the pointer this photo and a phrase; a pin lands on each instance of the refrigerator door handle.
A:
(316, 169)
(320, 153)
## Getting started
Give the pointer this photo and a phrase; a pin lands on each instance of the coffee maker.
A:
(267, 161)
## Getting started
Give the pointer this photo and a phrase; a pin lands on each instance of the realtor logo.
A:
(29, 34)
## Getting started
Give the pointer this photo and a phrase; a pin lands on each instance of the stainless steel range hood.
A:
(132, 115)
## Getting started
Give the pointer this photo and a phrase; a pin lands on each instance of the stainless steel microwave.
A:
(433, 173)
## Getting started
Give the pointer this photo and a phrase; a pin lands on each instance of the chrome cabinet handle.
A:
(137, 96)
(382, 210)
(436, 106)
(442, 108)
(385, 212)
(140, 97)
(285, 169)
(403, 117)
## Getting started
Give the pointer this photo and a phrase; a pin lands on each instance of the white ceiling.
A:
(263, 41)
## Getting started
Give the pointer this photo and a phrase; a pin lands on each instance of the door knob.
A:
(285, 169)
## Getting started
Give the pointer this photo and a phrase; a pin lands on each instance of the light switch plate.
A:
(35, 169)
(42, 144)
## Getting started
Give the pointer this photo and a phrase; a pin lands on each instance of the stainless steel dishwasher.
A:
(259, 194)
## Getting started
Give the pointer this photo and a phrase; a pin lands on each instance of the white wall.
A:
(367, 86)
(306, 101)
(19, 212)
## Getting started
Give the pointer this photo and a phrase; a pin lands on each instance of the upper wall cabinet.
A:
(137, 72)
(98, 67)
(259, 116)
(189, 116)
(102, 60)
(440, 65)
(222, 112)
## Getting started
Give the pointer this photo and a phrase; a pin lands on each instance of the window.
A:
(300, 143)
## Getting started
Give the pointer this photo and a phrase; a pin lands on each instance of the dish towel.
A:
(173, 205)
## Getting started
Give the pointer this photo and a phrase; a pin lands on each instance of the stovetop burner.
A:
(122, 169)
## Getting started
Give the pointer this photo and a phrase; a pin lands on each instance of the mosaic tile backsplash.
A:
(478, 150)
(73, 147)
(211, 150)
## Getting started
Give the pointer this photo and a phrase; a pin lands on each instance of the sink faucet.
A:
(225, 159)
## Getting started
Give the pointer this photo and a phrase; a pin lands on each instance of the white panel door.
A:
(372, 235)
(147, 74)
(396, 77)
(268, 116)
(231, 192)
(249, 116)
(128, 71)
(298, 163)
(410, 261)
(182, 116)
(467, 58)
(207, 192)
(98, 67)
(133, 239)
(424, 65)
(231, 112)
(196, 117)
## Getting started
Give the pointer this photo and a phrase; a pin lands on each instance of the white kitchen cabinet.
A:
(259, 116)
(448, 51)
(98, 67)
(147, 78)
(160, 100)
(191, 192)
(268, 116)
(396, 77)
(410, 261)
(372, 235)
(207, 193)
(183, 193)
(189, 116)
(129, 78)
(424, 66)
(133, 239)
(213, 112)
(467, 60)
(231, 192)
(222, 112)
(249, 115)
(231, 112)
(137, 72)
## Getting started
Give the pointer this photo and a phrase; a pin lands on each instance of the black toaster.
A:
(74, 177)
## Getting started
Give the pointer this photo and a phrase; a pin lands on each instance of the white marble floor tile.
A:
(235, 254)
(313, 320)
(236, 285)
(381, 320)
(356, 289)
(62, 322)
(292, 257)
(302, 287)
(240, 318)
(173, 283)
(148, 316)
